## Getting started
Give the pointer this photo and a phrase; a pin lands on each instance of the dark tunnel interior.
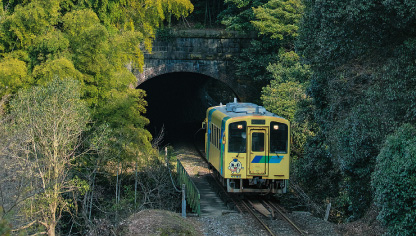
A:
(178, 102)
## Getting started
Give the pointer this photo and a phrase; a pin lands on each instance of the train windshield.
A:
(257, 142)
(278, 137)
(237, 137)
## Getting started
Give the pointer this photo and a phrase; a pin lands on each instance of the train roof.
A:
(236, 109)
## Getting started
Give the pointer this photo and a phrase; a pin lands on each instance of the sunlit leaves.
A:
(13, 75)
(286, 93)
(29, 21)
(47, 125)
(279, 18)
(282, 98)
(62, 68)
(52, 45)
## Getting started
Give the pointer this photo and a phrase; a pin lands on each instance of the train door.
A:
(257, 151)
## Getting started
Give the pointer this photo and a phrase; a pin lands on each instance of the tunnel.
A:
(177, 104)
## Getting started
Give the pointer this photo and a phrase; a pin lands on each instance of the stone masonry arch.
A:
(207, 52)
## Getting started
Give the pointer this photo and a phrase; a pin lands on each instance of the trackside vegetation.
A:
(72, 121)
(393, 181)
(75, 155)
(343, 72)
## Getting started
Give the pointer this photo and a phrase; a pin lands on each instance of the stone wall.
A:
(207, 52)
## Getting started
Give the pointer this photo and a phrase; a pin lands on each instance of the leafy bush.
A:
(316, 172)
(394, 181)
(4, 227)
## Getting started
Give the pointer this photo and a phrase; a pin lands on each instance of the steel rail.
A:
(236, 204)
(257, 218)
(245, 205)
(277, 208)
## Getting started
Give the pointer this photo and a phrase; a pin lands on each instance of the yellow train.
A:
(248, 147)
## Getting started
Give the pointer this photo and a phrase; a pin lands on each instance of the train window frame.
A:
(284, 136)
(258, 122)
(258, 143)
(218, 138)
(236, 139)
(211, 126)
(215, 135)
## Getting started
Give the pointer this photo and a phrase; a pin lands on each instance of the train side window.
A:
(211, 132)
(237, 137)
(215, 136)
(278, 137)
(219, 138)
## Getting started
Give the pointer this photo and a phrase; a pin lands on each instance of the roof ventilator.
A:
(248, 108)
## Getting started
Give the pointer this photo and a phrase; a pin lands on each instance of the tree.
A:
(275, 22)
(394, 181)
(97, 43)
(46, 130)
(279, 18)
(361, 54)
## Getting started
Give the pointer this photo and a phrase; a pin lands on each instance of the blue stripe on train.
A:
(262, 159)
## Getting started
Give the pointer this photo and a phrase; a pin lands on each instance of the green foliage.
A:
(262, 51)
(362, 62)
(275, 22)
(28, 21)
(316, 172)
(13, 75)
(90, 41)
(96, 45)
(239, 14)
(53, 45)
(62, 68)
(287, 88)
(206, 13)
(164, 35)
(282, 98)
(286, 94)
(48, 122)
(279, 18)
(394, 181)
(5, 228)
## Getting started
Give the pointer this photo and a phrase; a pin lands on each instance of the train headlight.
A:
(275, 127)
(239, 126)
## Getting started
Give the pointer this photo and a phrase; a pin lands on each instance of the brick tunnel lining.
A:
(178, 101)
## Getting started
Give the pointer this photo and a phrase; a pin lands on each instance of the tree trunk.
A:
(92, 194)
(117, 184)
(135, 188)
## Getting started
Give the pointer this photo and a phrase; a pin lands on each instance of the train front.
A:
(255, 150)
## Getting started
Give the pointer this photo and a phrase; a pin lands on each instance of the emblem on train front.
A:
(235, 166)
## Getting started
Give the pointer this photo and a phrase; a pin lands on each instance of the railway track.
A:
(245, 206)
(280, 210)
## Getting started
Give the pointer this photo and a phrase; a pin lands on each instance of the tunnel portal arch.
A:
(213, 69)
(177, 101)
(207, 52)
